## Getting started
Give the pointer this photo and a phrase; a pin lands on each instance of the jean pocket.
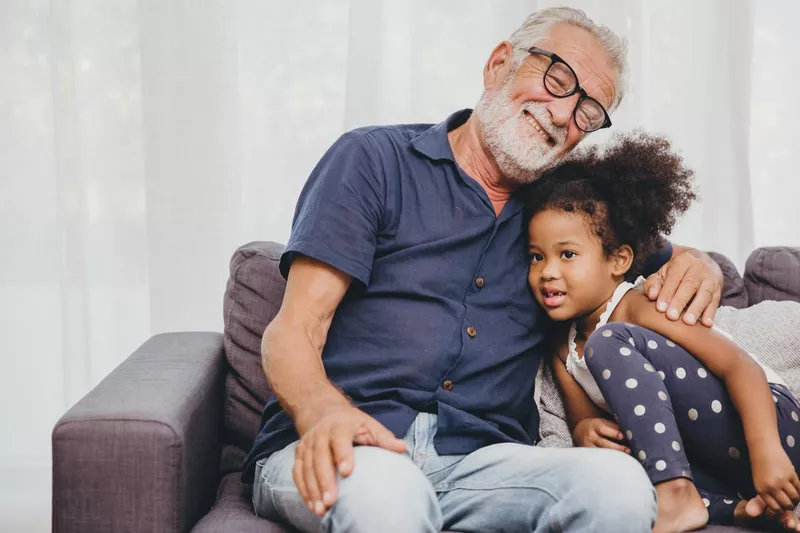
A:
(262, 500)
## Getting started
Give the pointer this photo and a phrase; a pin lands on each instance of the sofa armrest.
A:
(141, 451)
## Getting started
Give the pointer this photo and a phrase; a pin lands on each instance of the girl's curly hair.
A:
(631, 191)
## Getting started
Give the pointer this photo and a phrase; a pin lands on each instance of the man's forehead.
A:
(581, 50)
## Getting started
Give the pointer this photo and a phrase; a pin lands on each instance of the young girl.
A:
(712, 426)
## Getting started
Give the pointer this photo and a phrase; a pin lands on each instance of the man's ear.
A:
(498, 65)
(622, 259)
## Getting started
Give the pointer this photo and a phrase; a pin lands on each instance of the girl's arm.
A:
(743, 377)
(588, 423)
(578, 404)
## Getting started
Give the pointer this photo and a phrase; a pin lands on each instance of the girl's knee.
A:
(607, 341)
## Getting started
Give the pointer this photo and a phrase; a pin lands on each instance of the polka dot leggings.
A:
(678, 418)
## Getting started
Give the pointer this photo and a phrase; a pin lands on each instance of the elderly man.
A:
(408, 328)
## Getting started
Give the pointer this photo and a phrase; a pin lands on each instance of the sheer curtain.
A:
(142, 141)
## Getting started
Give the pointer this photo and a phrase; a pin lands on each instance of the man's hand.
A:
(690, 278)
(327, 447)
(599, 433)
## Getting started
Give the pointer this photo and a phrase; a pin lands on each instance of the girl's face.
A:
(569, 273)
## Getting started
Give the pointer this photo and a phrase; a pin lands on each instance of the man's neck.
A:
(473, 159)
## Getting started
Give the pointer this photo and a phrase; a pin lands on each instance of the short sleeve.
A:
(658, 259)
(338, 214)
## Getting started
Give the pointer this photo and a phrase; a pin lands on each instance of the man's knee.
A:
(617, 492)
(385, 492)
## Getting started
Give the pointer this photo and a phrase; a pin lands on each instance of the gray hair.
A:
(537, 26)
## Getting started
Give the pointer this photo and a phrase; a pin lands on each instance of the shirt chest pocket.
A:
(525, 314)
(523, 309)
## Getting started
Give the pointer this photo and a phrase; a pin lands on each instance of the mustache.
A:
(542, 116)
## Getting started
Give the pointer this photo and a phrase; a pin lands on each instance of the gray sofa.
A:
(157, 446)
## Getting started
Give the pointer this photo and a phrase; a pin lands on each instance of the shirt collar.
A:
(433, 143)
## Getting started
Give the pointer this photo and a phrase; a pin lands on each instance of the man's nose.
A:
(561, 109)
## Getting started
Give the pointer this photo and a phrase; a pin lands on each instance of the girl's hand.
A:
(775, 479)
(599, 433)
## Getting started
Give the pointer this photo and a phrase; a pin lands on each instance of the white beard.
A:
(518, 148)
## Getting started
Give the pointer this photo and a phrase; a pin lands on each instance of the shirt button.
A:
(447, 385)
(480, 282)
(471, 331)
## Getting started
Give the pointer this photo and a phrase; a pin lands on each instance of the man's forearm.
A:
(294, 369)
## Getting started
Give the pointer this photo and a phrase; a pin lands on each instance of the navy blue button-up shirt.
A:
(418, 331)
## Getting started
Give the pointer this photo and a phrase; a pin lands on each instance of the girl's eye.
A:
(567, 254)
(535, 258)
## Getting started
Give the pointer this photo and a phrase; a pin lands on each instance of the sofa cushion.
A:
(252, 299)
(233, 511)
(773, 273)
(734, 293)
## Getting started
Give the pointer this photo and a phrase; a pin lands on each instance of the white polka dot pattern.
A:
(663, 395)
(606, 373)
(676, 446)
(681, 373)
(702, 372)
(790, 441)
(606, 333)
(639, 410)
(625, 351)
(693, 414)
(652, 345)
(661, 466)
(631, 383)
(649, 367)
(716, 406)
(660, 428)
(734, 452)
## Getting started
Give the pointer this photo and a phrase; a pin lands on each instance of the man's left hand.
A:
(690, 278)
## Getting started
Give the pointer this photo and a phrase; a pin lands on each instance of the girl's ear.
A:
(622, 259)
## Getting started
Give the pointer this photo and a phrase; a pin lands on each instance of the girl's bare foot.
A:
(754, 511)
(680, 507)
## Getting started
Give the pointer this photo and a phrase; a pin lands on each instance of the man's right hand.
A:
(599, 433)
(327, 447)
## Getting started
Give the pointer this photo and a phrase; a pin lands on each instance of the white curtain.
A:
(142, 141)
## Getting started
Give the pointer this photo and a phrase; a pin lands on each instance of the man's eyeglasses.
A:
(560, 81)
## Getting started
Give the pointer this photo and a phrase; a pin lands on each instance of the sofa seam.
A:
(179, 463)
(234, 295)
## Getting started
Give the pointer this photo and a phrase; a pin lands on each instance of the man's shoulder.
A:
(388, 134)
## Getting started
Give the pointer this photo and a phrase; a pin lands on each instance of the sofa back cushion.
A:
(734, 293)
(252, 299)
(773, 273)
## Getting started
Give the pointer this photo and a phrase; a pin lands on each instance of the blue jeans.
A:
(499, 488)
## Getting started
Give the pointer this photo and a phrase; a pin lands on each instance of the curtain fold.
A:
(142, 141)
